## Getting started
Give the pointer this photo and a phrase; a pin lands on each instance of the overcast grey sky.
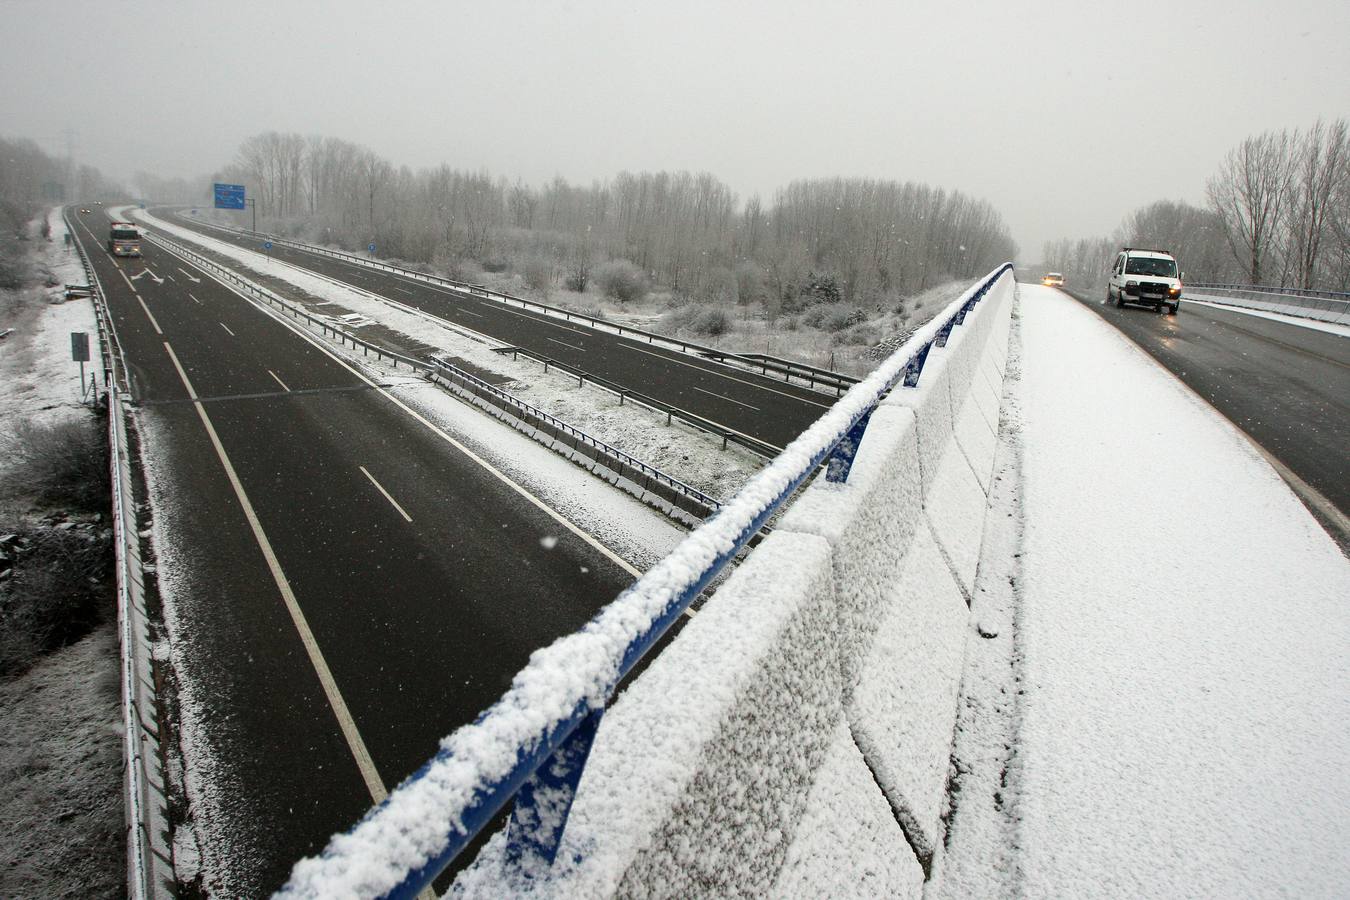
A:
(1066, 115)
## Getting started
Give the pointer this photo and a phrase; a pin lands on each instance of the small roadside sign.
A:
(79, 346)
(371, 248)
(267, 245)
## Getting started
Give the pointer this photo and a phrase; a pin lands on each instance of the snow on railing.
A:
(532, 744)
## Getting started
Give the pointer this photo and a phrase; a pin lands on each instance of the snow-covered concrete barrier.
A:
(1324, 306)
(794, 740)
(794, 737)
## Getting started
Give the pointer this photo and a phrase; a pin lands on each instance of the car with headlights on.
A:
(1146, 278)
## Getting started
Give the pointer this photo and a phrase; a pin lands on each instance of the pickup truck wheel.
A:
(1172, 310)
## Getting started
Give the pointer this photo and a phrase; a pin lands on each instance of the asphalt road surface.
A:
(1286, 386)
(314, 523)
(764, 408)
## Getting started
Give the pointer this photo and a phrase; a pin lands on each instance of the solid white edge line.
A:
(379, 487)
(280, 317)
(728, 399)
(345, 721)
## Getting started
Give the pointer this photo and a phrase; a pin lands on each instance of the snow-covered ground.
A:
(1185, 640)
(41, 383)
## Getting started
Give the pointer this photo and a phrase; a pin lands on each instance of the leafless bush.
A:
(64, 464)
(55, 592)
(537, 272)
(621, 280)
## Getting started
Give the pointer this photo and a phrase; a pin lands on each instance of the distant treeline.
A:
(31, 180)
(852, 240)
(1278, 213)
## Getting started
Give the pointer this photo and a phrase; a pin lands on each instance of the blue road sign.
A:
(229, 196)
(267, 245)
(371, 248)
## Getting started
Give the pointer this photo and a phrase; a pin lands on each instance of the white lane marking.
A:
(471, 313)
(728, 399)
(537, 318)
(496, 473)
(378, 792)
(189, 275)
(404, 290)
(565, 344)
(193, 299)
(149, 315)
(379, 487)
(227, 329)
(278, 380)
(722, 375)
(127, 280)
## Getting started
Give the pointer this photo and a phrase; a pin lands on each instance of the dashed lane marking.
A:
(227, 329)
(364, 763)
(379, 487)
(724, 375)
(278, 380)
(565, 344)
(149, 315)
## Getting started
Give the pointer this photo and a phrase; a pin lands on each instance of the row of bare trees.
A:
(1278, 213)
(688, 232)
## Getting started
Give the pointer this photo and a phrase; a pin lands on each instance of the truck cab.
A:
(124, 239)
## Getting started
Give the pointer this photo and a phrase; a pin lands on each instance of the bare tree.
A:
(1250, 194)
(1322, 156)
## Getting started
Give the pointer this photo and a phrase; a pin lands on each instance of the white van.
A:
(1146, 277)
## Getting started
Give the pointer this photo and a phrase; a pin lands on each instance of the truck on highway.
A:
(124, 239)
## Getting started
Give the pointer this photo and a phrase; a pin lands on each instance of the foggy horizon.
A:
(1033, 111)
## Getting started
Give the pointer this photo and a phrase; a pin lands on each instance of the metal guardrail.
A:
(150, 871)
(1325, 306)
(432, 368)
(478, 290)
(1271, 289)
(764, 363)
(481, 387)
(766, 450)
(532, 745)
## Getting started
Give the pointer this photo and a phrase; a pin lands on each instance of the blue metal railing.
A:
(532, 744)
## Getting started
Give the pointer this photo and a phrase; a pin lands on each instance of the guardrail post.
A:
(915, 366)
(544, 801)
(841, 460)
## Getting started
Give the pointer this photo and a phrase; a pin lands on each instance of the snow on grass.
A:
(41, 382)
(1186, 720)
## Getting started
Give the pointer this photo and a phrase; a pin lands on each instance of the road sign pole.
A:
(254, 205)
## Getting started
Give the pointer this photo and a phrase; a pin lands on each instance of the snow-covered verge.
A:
(60, 734)
(1310, 308)
(1301, 321)
(794, 739)
(692, 456)
(1183, 634)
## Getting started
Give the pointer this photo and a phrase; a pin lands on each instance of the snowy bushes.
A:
(621, 280)
(707, 321)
